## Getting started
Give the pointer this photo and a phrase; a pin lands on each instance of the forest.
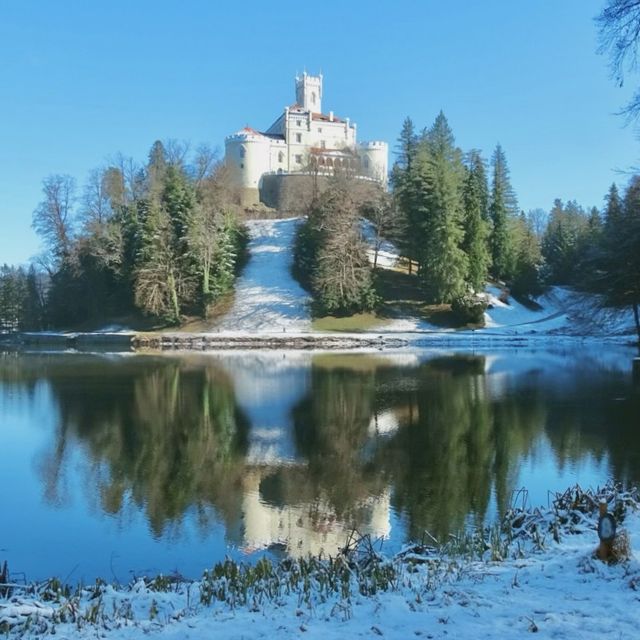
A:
(455, 218)
(161, 239)
(164, 240)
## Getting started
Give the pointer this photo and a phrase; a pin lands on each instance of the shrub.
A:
(469, 308)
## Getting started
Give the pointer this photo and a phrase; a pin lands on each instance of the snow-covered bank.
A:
(539, 575)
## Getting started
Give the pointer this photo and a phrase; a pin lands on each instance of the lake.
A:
(123, 465)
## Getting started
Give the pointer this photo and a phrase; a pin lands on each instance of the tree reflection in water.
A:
(440, 442)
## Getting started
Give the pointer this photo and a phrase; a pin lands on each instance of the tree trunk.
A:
(174, 297)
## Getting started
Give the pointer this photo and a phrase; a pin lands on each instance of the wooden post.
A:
(606, 533)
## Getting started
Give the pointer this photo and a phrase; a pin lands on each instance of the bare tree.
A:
(52, 218)
(96, 205)
(205, 163)
(176, 152)
(619, 32)
(385, 219)
(538, 220)
(130, 180)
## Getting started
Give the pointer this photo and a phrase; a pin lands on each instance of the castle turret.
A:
(309, 92)
(247, 154)
(374, 160)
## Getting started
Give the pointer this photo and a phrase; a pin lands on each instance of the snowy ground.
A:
(554, 588)
(269, 300)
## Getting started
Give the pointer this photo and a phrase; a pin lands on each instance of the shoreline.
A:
(296, 340)
(534, 570)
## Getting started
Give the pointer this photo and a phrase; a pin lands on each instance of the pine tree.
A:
(443, 266)
(503, 206)
(476, 228)
(565, 241)
(613, 208)
(407, 145)
(526, 279)
(411, 194)
(622, 251)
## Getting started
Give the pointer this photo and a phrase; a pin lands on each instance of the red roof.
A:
(323, 117)
(249, 129)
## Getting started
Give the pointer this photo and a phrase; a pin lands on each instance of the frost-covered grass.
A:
(534, 571)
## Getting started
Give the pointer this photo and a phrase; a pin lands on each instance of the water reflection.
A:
(296, 450)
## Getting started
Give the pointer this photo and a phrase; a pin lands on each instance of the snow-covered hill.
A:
(269, 300)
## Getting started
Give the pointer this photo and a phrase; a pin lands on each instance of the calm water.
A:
(116, 466)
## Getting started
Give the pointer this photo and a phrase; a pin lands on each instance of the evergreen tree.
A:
(331, 255)
(613, 208)
(33, 305)
(622, 252)
(159, 283)
(565, 241)
(410, 195)
(476, 228)
(503, 207)
(407, 145)
(527, 277)
(443, 265)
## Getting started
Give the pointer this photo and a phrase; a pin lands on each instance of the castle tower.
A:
(247, 155)
(309, 92)
(374, 159)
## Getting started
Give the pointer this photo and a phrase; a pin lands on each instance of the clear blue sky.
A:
(80, 81)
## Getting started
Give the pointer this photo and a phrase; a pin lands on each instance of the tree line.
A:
(161, 239)
(453, 228)
(460, 225)
(455, 220)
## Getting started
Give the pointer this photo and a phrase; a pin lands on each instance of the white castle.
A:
(301, 141)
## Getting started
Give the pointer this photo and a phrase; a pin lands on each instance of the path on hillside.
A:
(267, 298)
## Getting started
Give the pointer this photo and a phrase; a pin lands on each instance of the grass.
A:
(358, 323)
(402, 296)
(359, 569)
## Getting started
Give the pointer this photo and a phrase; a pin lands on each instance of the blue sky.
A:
(81, 81)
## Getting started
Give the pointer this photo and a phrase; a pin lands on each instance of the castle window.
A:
(313, 97)
(242, 165)
(280, 156)
(299, 123)
(323, 144)
(322, 161)
(298, 137)
(242, 152)
(299, 159)
(319, 129)
(366, 163)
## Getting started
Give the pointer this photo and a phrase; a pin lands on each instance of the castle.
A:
(303, 140)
